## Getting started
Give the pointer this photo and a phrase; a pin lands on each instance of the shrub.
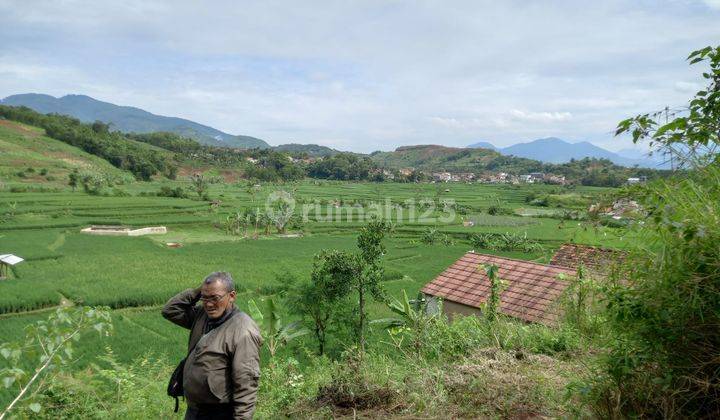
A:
(432, 235)
(504, 242)
(497, 210)
(177, 192)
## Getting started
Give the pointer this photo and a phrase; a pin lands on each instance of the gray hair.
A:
(223, 277)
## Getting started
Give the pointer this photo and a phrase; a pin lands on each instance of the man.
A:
(222, 369)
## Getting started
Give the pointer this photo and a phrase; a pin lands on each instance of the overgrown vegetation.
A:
(665, 358)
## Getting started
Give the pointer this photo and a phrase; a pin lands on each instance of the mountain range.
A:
(555, 150)
(129, 119)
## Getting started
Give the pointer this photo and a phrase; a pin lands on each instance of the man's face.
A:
(216, 299)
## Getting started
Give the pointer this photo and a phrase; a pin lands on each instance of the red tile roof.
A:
(529, 294)
(594, 259)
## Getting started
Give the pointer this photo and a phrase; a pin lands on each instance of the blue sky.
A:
(367, 75)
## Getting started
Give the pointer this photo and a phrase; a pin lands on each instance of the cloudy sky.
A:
(367, 75)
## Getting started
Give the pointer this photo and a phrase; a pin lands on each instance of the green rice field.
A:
(135, 275)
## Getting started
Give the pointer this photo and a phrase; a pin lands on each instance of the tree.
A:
(280, 209)
(199, 184)
(73, 179)
(100, 127)
(236, 222)
(254, 218)
(370, 270)
(321, 298)
(363, 271)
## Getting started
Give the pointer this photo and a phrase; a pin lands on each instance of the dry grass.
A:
(491, 383)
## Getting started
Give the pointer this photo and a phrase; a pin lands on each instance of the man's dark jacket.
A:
(224, 367)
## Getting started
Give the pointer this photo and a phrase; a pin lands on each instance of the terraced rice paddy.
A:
(135, 275)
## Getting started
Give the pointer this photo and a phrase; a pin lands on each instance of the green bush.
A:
(177, 192)
(504, 242)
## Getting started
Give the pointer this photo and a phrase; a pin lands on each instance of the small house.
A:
(6, 260)
(530, 292)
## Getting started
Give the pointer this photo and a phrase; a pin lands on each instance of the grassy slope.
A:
(27, 147)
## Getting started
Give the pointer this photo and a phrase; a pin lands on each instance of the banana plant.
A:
(276, 333)
(415, 316)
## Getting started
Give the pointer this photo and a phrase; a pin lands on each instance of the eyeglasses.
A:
(212, 299)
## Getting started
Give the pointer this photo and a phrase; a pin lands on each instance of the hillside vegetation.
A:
(129, 119)
(141, 159)
(31, 156)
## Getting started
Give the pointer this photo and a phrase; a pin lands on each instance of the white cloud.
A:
(540, 117)
(687, 87)
(370, 74)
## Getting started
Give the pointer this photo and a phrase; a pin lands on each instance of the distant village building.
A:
(637, 180)
(624, 207)
(406, 171)
(555, 179)
(526, 179)
(464, 176)
(442, 176)
(251, 160)
(531, 291)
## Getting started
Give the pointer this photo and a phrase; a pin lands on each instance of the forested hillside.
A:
(29, 155)
(140, 159)
(129, 119)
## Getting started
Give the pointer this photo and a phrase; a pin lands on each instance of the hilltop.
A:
(313, 150)
(436, 158)
(129, 119)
